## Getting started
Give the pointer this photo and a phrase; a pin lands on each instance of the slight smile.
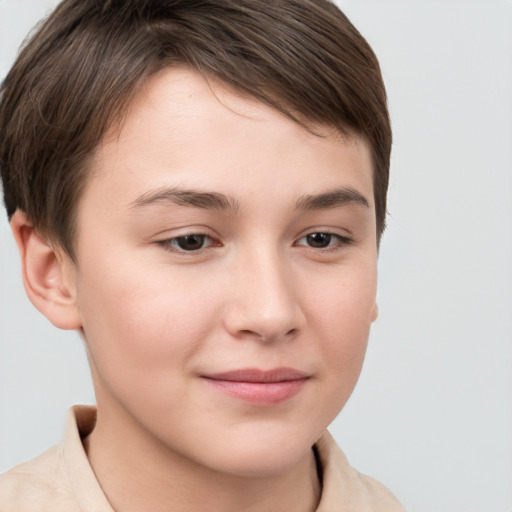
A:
(259, 387)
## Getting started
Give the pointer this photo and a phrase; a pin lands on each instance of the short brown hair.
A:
(77, 74)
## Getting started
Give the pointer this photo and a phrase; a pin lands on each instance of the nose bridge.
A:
(265, 304)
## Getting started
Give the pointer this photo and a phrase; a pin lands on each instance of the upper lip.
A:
(256, 375)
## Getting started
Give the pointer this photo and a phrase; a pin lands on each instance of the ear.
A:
(48, 275)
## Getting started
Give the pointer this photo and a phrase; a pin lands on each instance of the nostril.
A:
(247, 332)
(265, 337)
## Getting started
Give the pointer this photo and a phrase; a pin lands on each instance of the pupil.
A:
(191, 242)
(319, 240)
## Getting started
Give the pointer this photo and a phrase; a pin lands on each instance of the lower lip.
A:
(259, 393)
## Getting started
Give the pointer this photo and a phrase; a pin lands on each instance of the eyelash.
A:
(339, 241)
(172, 244)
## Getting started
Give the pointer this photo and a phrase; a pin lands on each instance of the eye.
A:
(188, 243)
(323, 240)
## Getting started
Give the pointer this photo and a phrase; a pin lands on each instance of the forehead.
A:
(183, 128)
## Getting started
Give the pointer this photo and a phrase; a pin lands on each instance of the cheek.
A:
(342, 313)
(142, 323)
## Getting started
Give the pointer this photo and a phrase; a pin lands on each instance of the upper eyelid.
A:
(170, 234)
(209, 233)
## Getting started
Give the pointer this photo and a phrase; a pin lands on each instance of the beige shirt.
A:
(62, 480)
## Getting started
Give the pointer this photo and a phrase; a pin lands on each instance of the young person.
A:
(199, 189)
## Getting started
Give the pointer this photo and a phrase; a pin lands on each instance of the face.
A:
(226, 276)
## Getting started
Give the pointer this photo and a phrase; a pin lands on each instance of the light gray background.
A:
(432, 414)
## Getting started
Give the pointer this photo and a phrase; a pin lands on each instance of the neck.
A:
(138, 473)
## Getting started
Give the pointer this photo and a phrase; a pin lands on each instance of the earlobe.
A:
(47, 275)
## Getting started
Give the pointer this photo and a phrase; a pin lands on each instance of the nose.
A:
(264, 302)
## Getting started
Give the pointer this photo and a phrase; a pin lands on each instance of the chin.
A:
(264, 455)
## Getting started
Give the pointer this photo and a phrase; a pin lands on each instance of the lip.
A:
(259, 387)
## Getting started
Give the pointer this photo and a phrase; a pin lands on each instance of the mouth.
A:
(259, 387)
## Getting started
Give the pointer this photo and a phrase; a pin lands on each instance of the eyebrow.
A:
(184, 197)
(217, 201)
(331, 199)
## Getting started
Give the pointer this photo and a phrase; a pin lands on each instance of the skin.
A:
(259, 293)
